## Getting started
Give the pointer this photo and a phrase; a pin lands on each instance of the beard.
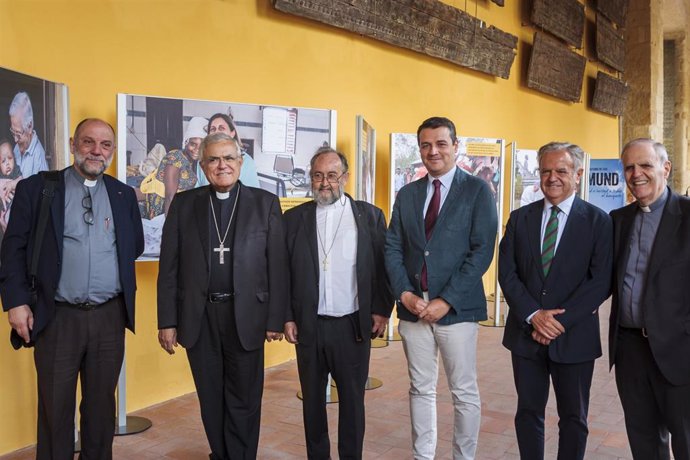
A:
(89, 169)
(325, 199)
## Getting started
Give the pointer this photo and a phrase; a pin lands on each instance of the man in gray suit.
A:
(439, 244)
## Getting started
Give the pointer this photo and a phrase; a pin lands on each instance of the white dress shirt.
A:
(446, 182)
(337, 244)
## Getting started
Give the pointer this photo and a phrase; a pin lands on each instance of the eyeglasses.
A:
(16, 134)
(88, 214)
(228, 160)
(331, 177)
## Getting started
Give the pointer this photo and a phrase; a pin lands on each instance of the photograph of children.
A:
(160, 139)
(366, 160)
(33, 132)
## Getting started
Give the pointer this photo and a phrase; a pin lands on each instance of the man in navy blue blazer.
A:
(440, 241)
(555, 270)
(85, 291)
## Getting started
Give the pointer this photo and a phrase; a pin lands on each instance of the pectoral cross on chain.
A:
(325, 264)
(220, 250)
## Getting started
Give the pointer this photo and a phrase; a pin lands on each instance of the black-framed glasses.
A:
(88, 214)
(331, 177)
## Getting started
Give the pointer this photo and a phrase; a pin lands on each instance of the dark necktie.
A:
(429, 222)
(548, 248)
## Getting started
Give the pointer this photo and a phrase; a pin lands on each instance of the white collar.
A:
(564, 206)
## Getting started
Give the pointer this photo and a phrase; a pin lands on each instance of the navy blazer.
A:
(259, 259)
(457, 255)
(373, 291)
(18, 246)
(579, 280)
(665, 300)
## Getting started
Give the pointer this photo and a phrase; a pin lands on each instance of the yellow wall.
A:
(245, 51)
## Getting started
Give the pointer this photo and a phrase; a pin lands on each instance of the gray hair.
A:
(22, 103)
(575, 152)
(661, 152)
(218, 138)
(325, 150)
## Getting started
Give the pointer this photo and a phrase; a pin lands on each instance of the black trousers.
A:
(652, 406)
(571, 384)
(89, 344)
(229, 382)
(339, 351)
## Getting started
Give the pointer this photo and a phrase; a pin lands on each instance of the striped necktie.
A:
(548, 248)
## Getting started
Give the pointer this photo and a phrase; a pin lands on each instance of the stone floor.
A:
(177, 432)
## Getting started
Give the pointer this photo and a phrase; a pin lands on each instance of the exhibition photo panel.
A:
(158, 135)
(33, 132)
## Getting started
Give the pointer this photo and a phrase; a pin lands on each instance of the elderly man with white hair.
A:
(28, 151)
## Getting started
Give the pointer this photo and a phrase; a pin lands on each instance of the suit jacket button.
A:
(543, 292)
(426, 253)
(416, 276)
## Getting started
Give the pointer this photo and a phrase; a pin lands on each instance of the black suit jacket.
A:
(18, 246)
(373, 290)
(666, 299)
(259, 266)
(579, 280)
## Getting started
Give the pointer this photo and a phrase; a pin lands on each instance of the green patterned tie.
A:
(548, 248)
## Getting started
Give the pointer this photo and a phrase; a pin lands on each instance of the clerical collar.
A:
(658, 203)
(83, 180)
(224, 195)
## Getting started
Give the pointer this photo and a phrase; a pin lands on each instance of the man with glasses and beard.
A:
(340, 300)
(85, 289)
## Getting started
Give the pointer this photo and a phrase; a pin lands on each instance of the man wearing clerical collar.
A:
(85, 291)
(222, 286)
(340, 300)
(649, 328)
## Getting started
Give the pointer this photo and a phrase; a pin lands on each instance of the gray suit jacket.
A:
(457, 255)
(260, 275)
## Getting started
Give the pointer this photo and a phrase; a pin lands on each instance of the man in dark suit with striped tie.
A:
(555, 270)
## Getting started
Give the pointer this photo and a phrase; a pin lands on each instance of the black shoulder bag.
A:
(51, 179)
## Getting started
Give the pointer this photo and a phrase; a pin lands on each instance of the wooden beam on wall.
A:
(426, 26)
(610, 44)
(554, 69)
(610, 94)
(615, 10)
(563, 18)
